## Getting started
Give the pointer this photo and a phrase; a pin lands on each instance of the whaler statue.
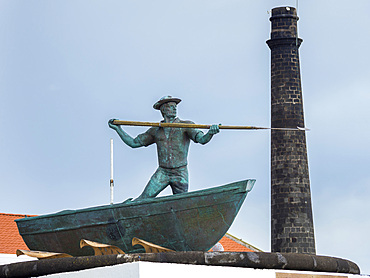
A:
(191, 221)
(172, 148)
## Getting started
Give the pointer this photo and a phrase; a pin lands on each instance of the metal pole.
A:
(185, 125)
(111, 171)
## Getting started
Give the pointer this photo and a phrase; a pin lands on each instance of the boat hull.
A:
(192, 221)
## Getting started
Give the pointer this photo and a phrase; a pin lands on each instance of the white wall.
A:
(12, 258)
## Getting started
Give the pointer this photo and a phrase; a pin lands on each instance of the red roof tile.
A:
(233, 244)
(10, 239)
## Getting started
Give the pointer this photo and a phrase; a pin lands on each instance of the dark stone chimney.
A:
(292, 228)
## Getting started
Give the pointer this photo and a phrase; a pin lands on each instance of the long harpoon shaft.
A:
(201, 126)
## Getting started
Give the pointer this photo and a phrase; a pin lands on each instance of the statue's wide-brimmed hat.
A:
(164, 100)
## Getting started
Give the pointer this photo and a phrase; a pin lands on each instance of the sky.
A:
(67, 67)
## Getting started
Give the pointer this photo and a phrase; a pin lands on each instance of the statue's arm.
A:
(126, 138)
(205, 138)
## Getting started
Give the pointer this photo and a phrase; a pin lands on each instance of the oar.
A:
(183, 125)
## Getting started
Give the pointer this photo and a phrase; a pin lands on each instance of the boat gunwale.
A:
(237, 186)
(107, 222)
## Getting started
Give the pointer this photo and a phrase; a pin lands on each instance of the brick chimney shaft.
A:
(292, 228)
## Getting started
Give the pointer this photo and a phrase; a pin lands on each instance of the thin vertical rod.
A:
(111, 172)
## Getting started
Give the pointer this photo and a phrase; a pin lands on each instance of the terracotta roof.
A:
(233, 244)
(10, 239)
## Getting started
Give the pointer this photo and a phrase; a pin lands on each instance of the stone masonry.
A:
(292, 228)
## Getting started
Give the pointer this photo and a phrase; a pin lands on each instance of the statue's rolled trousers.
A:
(172, 148)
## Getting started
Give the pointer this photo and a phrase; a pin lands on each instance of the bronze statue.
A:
(172, 148)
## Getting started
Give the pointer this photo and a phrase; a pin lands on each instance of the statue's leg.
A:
(158, 182)
(179, 180)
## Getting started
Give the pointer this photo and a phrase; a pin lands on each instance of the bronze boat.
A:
(192, 221)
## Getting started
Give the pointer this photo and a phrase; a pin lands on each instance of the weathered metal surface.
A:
(192, 221)
(100, 248)
(172, 148)
(232, 259)
(150, 247)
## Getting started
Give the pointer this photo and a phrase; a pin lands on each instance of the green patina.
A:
(172, 148)
(185, 221)
(192, 221)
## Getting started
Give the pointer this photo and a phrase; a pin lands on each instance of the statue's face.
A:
(169, 109)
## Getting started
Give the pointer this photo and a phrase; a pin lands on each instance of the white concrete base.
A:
(167, 270)
(12, 258)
